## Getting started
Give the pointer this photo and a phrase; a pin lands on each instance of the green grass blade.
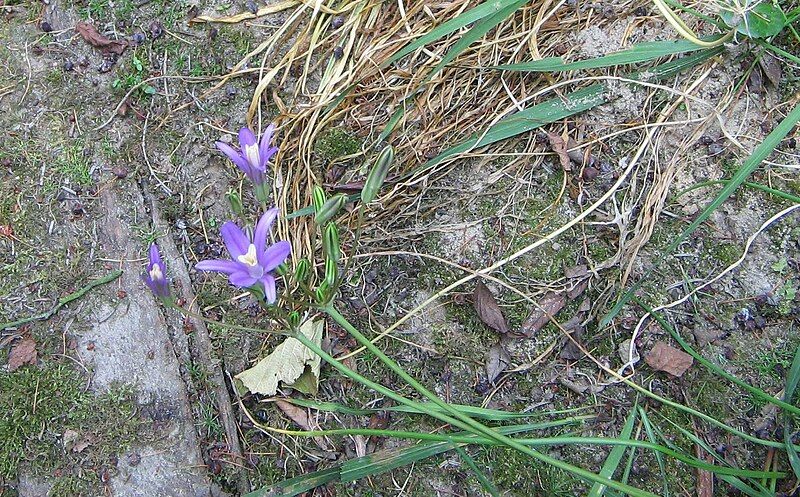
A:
(614, 457)
(298, 485)
(792, 380)
(487, 485)
(641, 52)
(485, 9)
(759, 154)
(475, 412)
(648, 428)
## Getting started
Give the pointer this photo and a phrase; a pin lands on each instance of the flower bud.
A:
(330, 208)
(294, 319)
(330, 272)
(318, 198)
(282, 269)
(330, 242)
(235, 202)
(377, 175)
(321, 293)
(301, 270)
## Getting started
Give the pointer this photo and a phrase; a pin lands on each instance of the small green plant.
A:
(133, 78)
(74, 165)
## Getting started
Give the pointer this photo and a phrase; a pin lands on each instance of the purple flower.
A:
(252, 260)
(253, 156)
(155, 276)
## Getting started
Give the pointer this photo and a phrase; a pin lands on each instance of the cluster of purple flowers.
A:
(253, 260)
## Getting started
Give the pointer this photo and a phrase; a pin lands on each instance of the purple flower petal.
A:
(219, 265)
(262, 230)
(270, 293)
(266, 155)
(236, 241)
(242, 279)
(264, 146)
(234, 156)
(154, 255)
(246, 137)
(275, 255)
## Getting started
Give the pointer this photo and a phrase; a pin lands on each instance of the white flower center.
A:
(250, 257)
(155, 273)
(253, 157)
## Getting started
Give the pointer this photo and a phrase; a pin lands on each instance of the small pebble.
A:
(337, 22)
(120, 172)
(338, 52)
(138, 38)
(230, 91)
(251, 6)
(590, 173)
(46, 27)
(156, 30)
(69, 65)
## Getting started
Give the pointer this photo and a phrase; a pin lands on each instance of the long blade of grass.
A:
(648, 428)
(554, 110)
(472, 411)
(299, 484)
(641, 52)
(487, 485)
(614, 457)
(748, 167)
(485, 9)
(792, 380)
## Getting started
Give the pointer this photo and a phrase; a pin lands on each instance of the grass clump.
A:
(335, 143)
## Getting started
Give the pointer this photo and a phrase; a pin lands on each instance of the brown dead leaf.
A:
(578, 271)
(497, 362)
(97, 40)
(296, 414)
(559, 146)
(487, 308)
(663, 357)
(550, 304)
(22, 353)
(571, 351)
(771, 67)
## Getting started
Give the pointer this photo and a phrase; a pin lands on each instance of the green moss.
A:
(335, 143)
(74, 164)
(42, 404)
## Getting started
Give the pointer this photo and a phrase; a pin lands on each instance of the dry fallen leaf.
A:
(550, 304)
(296, 414)
(497, 362)
(286, 363)
(95, 39)
(771, 67)
(663, 357)
(559, 146)
(487, 308)
(22, 353)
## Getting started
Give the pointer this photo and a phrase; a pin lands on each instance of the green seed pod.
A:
(330, 208)
(301, 270)
(282, 269)
(330, 242)
(377, 176)
(235, 202)
(318, 198)
(294, 319)
(330, 272)
(321, 293)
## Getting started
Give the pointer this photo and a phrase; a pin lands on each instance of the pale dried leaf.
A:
(664, 357)
(97, 40)
(550, 304)
(297, 414)
(22, 353)
(285, 364)
(497, 362)
(244, 16)
(578, 271)
(559, 146)
(487, 308)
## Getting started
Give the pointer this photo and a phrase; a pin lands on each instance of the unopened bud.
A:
(318, 198)
(294, 319)
(282, 269)
(330, 208)
(235, 202)
(301, 270)
(330, 242)
(330, 272)
(377, 176)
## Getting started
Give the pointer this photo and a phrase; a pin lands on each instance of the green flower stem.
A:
(463, 439)
(458, 419)
(756, 186)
